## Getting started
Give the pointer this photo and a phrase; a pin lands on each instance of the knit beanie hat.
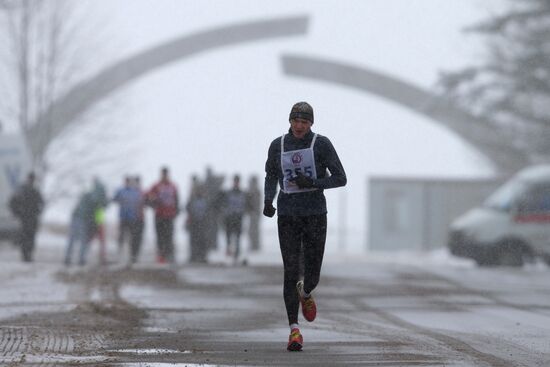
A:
(301, 110)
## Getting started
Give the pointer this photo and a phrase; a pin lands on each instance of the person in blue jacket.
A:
(299, 162)
(130, 200)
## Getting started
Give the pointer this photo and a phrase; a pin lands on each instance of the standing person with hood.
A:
(163, 197)
(125, 214)
(197, 210)
(99, 193)
(26, 204)
(234, 208)
(83, 227)
(254, 210)
(298, 162)
(214, 194)
(137, 232)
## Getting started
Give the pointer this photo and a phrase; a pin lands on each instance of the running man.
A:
(298, 161)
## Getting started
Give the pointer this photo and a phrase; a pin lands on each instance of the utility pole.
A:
(343, 220)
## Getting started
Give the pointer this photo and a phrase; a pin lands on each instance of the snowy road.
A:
(370, 313)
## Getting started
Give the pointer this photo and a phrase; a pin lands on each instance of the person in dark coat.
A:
(196, 225)
(27, 204)
(254, 211)
(234, 208)
(214, 194)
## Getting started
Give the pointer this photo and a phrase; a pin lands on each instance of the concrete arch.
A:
(83, 95)
(498, 148)
(76, 101)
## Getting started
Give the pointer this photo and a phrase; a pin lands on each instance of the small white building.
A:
(415, 213)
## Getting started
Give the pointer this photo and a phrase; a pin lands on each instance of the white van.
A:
(15, 164)
(511, 226)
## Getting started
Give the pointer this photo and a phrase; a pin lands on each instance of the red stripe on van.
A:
(533, 218)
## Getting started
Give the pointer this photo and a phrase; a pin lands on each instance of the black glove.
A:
(303, 182)
(269, 210)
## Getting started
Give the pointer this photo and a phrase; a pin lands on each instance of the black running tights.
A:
(302, 242)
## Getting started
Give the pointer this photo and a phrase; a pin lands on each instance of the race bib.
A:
(297, 161)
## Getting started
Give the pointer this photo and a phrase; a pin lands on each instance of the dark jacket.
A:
(305, 203)
(27, 203)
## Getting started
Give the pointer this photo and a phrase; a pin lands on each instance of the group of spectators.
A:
(208, 207)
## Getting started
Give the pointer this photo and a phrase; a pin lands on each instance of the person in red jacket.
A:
(163, 197)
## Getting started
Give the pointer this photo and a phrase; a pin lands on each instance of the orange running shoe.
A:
(309, 308)
(295, 341)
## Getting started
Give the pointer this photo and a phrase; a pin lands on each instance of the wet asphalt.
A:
(370, 313)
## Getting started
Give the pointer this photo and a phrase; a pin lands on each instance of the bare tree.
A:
(43, 57)
(510, 86)
(49, 45)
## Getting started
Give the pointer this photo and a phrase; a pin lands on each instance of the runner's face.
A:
(300, 127)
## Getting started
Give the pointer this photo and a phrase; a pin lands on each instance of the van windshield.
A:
(506, 195)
